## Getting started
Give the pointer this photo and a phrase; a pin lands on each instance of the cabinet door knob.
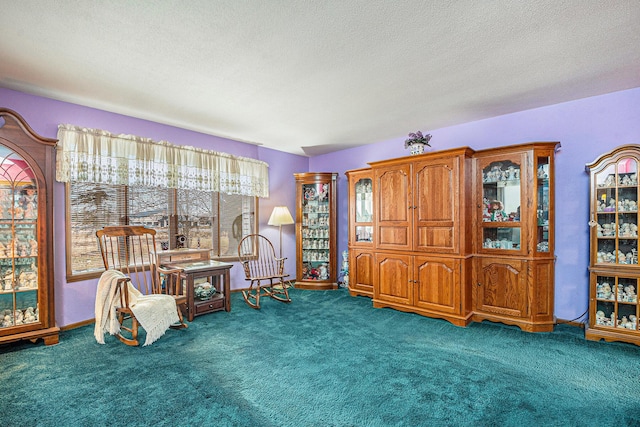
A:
(478, 284)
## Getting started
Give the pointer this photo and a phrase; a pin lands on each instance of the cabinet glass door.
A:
(616, 302)
(364, 210)
(616, 213)
(501, 205)
(315, 230)
(18, 241)
(543, 200)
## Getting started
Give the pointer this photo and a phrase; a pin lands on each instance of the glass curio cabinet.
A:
(614, 270)
(515, 242)
(316, 254)
(26, 232)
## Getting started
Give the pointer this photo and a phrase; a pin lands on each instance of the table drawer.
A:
(213, 304)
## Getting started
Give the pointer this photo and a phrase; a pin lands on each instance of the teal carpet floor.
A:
(326, 359)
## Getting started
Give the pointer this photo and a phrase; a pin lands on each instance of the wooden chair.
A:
(128, 249)
(263, 270)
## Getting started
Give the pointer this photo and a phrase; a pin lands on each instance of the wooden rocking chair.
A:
(128, 249)
(263, 270)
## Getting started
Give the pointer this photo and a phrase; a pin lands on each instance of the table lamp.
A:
(280, 216)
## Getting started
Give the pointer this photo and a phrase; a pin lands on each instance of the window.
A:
(210, 220)
(210, 198)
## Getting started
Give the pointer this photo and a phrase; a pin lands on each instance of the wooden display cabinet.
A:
(361, 259)
(26, 232)
(614, 269)
(421, 250)
(316, 246)
(514, 245)
(460, 235)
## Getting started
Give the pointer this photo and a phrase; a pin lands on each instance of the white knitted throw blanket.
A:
(156, 313)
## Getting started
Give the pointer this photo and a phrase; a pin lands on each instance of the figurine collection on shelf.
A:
(617, 257)
(319, 272)
(312, 221)
(318, 233)
(18, 245)
(497, 173)
(624, 179)
(319, 192)
(623, 293)
(624, 322)
(625, 229)
(20, 205)
(18, 317)
(315, 256)
(315, 243)
(499, 244)
(610, 205)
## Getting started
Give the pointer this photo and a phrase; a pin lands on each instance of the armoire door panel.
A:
(362, 267)
(390, 236)
(501, 288)
(437, 285)
(393, 274)
(435, 190)
(393, 192)
(436, 204)
(436, 239)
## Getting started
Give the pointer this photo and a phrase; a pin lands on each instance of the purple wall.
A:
(75, 301)
(586, 128)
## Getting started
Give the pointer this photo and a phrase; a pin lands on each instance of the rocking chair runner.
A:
(263, 269)
(128, 249)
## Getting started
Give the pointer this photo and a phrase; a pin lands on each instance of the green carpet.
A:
(327, 359)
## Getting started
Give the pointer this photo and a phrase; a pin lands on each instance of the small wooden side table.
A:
(217, 273)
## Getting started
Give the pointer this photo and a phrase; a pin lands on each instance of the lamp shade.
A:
(280, 216)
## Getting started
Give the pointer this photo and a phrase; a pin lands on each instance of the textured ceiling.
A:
(310, 77)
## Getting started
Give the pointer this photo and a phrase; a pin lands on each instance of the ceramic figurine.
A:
(7, 321)
(29, 315)
(8, 280)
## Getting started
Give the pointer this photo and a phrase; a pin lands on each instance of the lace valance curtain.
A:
(93, 155)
